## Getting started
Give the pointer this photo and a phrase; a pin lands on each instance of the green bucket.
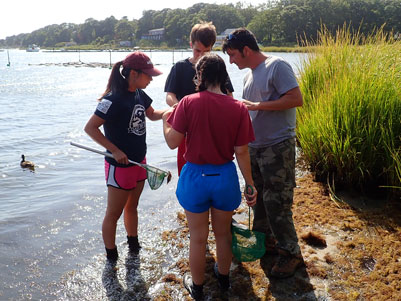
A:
(247, 245)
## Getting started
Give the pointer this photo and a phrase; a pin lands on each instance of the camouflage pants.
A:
(273, 171)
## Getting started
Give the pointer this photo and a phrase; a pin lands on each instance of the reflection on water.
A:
(135, 287)
(50, 220)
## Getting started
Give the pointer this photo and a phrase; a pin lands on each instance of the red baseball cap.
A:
(140, 61)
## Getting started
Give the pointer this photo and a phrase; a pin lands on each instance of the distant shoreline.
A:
(85, 48)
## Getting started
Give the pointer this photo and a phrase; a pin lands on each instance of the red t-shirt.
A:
(213, 125)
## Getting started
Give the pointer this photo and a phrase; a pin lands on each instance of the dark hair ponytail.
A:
(211, 70)
(117, 81)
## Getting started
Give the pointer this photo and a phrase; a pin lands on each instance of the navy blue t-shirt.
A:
(125, 124)
(180, 80)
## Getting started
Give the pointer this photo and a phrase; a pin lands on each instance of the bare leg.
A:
(198, 224)
(130, 210)
(116, 200)
(221, 224)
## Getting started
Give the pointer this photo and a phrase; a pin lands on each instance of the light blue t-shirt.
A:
(269, 81)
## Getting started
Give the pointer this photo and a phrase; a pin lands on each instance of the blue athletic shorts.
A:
(203, 186)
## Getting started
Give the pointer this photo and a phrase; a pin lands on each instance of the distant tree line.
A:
(278, 22)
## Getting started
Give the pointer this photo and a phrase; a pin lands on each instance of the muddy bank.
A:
(349, 253)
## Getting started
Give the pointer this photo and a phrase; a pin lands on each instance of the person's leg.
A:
(261, 221)
(116, 200)
(198, 224)
(131, 210)
(131, 217)
(193, 197)
(279, 176)
(221, 224)
(279, 179)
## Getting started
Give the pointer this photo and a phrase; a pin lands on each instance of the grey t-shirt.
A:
(268, 81)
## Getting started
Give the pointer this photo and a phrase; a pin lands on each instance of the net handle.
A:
(145, 166)
(100, 152)
(249, 217)
(249, 191)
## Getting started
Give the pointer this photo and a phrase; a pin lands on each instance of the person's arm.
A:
(153, 114)
(171, 99)
(244, 163)
(172, 137)
(291, 99)
(92, 129)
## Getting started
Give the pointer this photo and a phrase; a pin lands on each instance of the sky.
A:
(25, 16)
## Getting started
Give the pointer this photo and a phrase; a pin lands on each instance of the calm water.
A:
(50, 219)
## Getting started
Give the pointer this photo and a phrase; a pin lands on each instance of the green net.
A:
(156, 176)
(247, 245)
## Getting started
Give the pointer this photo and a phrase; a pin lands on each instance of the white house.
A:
(222, 36)
(154, 34)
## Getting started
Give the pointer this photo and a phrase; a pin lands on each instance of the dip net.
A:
(247, 245)
(156, 176)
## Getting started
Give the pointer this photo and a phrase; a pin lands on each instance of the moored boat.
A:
(33, 48)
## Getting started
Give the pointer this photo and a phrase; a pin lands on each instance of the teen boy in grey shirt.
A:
(271, 94)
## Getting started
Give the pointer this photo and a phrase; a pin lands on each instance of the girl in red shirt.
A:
(216, 127)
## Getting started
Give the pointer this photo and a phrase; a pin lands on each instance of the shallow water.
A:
(50, 220)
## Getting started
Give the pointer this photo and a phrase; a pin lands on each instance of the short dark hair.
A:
(211, 70)
(204, 32)
(240, 38)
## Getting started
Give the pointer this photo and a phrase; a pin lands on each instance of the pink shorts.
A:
(124, 177)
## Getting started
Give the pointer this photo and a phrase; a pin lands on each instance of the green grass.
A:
(349, 127)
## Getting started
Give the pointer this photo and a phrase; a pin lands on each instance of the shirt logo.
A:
(137, 124)
(104, 106)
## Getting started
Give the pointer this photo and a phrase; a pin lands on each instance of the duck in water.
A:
(27, 164)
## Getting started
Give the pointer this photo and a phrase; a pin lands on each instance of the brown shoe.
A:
(271, 248)
(286, 265)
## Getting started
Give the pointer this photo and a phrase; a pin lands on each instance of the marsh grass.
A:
(349, 127)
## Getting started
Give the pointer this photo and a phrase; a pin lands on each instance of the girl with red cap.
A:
(121, 111)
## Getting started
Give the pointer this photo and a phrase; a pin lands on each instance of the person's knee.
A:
(273, 208)
(199, 236)
(112, 216)
(278, 202)
(131, 208)
(223, 240)
(198, 239)
(221, 235)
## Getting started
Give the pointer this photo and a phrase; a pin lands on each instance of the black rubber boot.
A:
(133, 244)
(112, 254)
(224, 280)
(196, 291)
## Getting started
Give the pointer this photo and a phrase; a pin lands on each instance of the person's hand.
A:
(168, 112)
(120, 157)
(251, 106)
(250, 195)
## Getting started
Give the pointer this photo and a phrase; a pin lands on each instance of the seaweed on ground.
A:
(349, 254)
